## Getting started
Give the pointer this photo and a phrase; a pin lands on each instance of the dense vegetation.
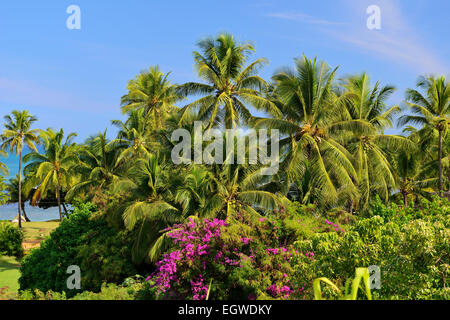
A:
(10, 240)
(347, 194)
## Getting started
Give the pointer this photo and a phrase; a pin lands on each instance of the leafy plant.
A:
(10, 240)
(351, 291)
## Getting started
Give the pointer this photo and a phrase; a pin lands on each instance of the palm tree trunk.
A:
(20, 189)
(64, 207)
(440, 162)
(24, 212)
(59, 200)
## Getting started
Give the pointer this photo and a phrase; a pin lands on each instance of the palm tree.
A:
(97, 166)
(432, 110)
(153, 93)
(367, 142)
(310, 111)
(3, 167)
(18, 133)
(230, 85)
(409, 176)
(134, 138)
(52, 169)
(147, 208)
(240, 188)
(12, 187)
(194, 191)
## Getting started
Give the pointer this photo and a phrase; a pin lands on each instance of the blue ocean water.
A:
(10, 211)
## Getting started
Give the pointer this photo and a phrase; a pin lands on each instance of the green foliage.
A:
(425, 209)
(84, 240)
(10, 240)
(105, 255)
(351, 292)
(413, 255)
(4, 197)
(133, 288)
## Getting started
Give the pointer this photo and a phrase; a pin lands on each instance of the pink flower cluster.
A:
(279, 292)
(199, 290)
(334, 225)
(187, 237)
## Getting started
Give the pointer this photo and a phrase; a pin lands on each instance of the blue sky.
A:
(74, 78)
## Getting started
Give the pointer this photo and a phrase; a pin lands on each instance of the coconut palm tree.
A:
(133, 139)
(18, 133)
(432, 110)
(230, 86)
(240, 188)
(12, 186)
(194, 191)
(147, 208)
(97, 166)
(310, 114)
(409, 176)
(152, 92)
(367, 143)
(52, 168)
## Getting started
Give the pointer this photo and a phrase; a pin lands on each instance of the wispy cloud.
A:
(302, 17)
(397, 41)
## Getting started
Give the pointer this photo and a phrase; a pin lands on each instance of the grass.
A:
(9, 276)
(34, 233)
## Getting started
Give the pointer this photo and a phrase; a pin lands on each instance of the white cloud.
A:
(397, 41)
(302, 18)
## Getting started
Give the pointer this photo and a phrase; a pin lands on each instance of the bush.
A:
(85, 240)
(10, 240)
(241, 259)
(105, 255)
(413, 256)
(134, 288)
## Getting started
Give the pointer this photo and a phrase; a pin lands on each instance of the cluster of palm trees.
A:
(334, 151)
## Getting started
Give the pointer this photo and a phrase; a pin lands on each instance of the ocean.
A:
(9, 211)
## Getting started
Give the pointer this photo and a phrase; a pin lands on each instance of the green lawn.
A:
(9, 274)
(38, 230)
(34, 233)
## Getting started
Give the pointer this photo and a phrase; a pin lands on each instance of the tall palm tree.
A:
(230, 86)
(310, 114)
(194, 191)
(97, 166)
(52, 168)
(148, 207)
(18, 133)
(152, 92)
(133, 138)
(432, 110)
(409, 175)
(12, 187)
(367, 142)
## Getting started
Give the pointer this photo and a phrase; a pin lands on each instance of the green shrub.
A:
(105, 255)
(413, 256)
(133, 288)
(83, 239)
(10, 240)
